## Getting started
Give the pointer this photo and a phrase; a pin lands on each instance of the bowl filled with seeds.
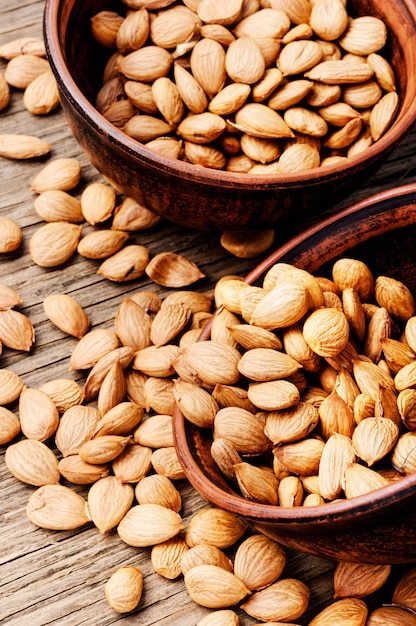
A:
(234, 114)
(297, 407)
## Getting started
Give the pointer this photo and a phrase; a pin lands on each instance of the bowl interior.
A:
(202, 197)
(381, 231)
(79, 60)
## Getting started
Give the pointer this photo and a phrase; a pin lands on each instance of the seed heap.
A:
(113, 436)
(316, 383)
(251, 87)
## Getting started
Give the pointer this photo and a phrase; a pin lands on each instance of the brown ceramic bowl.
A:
(379, 527)
(204, 198)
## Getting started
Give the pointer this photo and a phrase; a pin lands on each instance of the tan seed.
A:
(127, 264)
(14, 146)
(41, 96)
(67, 314)
(63, 173)
(32, 462)
(214, 587)
(58, 206)
(56, 507)
(16, 330)
(123, 590)
(149, 524)
(108, 502)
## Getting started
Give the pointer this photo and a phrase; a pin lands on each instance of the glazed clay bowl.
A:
(378, 527)
(201, 197)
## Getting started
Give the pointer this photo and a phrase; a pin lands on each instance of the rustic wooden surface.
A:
(51, 577)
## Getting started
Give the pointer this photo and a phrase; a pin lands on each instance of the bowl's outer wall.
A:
(178, 191)
(371, 528)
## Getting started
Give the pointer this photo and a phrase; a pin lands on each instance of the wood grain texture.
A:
(58, 578)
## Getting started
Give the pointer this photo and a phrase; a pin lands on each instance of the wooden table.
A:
(58, 577)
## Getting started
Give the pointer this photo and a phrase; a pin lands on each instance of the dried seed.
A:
(360, 479)
(22, 45)
(146, 64)
(257, 484)
(404, 590)
(353, 610)
(224, 617)
(214, 587)
(329, 19)
(337, 455)
(14, 146)
(207, 63)
(101, 244)
(56, 507)
(92, 347)
(260, 121)
(8, 297)
(58, 206)
(41, 96)
(173, 270)
(201, 128)
(392, 615)
(259, 561)
(326, 331)
(155, 431)
(158, 489)
(404, 453)
(133, 464)
(190, 90)
(197, 405)
(359, 579)
(9, 426)
(284, 600)
(244, 61)
(11, 235)
(123, 590)
(63, 174)
(133, 325)
(16, 330)
(32, 462)
(39, 417)
(215, 527)
(340, 72)
(121, 419)
(298, 56)
(133, 31)
(149, 524)
(229, 99)
(113, 389)
(64, 392)
(130, 215)
(127, 264)
(108, 502)
(76, 426)
(205, 554)
(168, 100)
(105, 26)
(67, 314)
(54, 243)
(266, 22)
(22, 69)
(165, 462)
(98, 201)
(103, 449)
(174, 26)
(364, 35)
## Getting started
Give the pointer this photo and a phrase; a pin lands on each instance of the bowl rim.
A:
(209, 176)
(337, 511)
